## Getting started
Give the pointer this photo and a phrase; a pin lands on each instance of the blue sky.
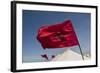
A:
(33, 20)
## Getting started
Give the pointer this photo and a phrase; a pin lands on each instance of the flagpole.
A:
(81, 51)
(79, 47)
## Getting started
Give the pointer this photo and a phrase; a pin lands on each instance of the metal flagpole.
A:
(79, 47)
(81, 51)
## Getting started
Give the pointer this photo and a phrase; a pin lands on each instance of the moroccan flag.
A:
(57, 35)
(45, 56)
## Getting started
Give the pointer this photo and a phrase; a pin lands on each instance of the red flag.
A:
(58, 35)
(45, 56)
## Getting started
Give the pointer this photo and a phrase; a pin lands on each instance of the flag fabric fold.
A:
(57, 35)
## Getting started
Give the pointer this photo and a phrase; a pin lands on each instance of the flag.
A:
(57, 35)
(45, 56)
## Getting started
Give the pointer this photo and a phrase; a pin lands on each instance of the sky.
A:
(33, 20)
